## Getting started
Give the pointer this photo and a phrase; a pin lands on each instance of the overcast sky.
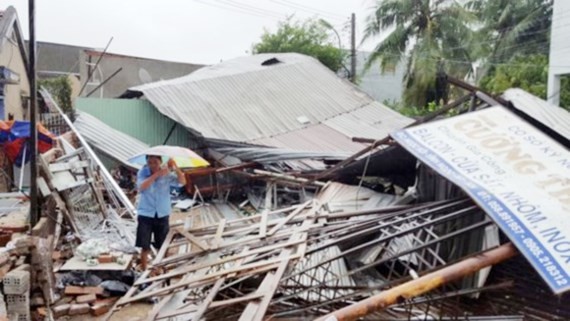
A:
(195, 31)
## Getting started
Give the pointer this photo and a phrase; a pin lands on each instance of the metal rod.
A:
(105, 173)
(423, 284)
(34, 207)
(353, 48)
(462, 84)
(104, 82)
(170, 133)
(90, 73)
(393, 257)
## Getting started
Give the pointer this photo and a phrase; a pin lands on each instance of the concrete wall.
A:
(11, 58)
(135, 71)
(559, 49)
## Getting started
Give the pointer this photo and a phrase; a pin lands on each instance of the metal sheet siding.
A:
(558, 119)
(242, 101)
(137, 118)
(111, 142)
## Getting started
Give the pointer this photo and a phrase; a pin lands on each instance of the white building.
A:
(559, 49)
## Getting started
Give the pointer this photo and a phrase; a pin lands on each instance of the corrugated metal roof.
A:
(554, 117)
(241, 100)
(137, 118)
(318, 137)
(109, 141)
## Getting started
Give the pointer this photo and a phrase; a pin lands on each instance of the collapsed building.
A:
(322, 203)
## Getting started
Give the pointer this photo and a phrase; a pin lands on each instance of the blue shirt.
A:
(156, 198)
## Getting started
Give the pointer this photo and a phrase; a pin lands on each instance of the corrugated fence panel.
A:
(137, 118)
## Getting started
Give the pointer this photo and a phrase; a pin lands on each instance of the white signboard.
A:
(517, 174)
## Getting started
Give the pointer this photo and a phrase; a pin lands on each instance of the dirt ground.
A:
(133, 312)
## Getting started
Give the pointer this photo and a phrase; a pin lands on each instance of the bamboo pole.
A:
(423, 284)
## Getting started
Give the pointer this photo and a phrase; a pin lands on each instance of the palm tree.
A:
(509, 27)
(434, 37)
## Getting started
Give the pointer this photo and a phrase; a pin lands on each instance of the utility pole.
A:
(33, 145)
(353, 48)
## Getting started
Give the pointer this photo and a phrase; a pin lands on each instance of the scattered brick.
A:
(87, 298)
(106, 258)
(77, 309)
(80, 290)
(61, 310)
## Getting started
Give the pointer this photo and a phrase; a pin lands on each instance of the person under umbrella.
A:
(154, 207)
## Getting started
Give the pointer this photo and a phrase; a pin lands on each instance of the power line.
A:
(307, 9)
(250, 13)
(246, 7)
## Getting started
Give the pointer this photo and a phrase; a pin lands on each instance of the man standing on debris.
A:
(154, 181)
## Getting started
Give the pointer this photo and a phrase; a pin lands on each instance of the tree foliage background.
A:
(508, 41)
(307, 37)
(60, 89)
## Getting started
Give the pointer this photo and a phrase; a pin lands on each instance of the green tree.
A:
(422, 31)
(309, 37)
(528, 72)
(60, 89)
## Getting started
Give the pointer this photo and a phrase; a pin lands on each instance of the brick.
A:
(56, 255)
(87, 298)
(102, 306)
(77, 309)
(110, 301)
(63, 300)
(42, 311)
(100, 309)
(61, 310)
(106, 258)
(80, 290)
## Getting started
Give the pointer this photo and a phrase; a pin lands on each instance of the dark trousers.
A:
(151, 226)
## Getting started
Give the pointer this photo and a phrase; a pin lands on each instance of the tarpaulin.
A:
(15, 136)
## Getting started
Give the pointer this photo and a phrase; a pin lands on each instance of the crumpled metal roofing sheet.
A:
(318, 138)
(558, 119)
(270, 155)
(241, 100)
(112, 142)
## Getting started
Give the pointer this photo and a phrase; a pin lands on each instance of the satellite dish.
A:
(144, 76)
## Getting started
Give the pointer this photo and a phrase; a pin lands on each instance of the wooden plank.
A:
(199, 266)
(256, 267)
(204, 306)
(43, 187)
(58, 224)
(292, 215)
(60, 167)
(164, 248)
(263, 225)
(96, 191)
(219, 231)
(70, 155)
(240, 242)
(193, 239)
(65, 180)
(214, 304)
(252, 307)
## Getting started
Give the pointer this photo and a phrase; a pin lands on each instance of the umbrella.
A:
(15, 134)
(184, 157)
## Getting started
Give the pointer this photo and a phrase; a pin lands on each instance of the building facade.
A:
(14, 85)
(559, 49)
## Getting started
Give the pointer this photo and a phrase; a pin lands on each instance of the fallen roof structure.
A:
(288, 101)
(107, 140)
